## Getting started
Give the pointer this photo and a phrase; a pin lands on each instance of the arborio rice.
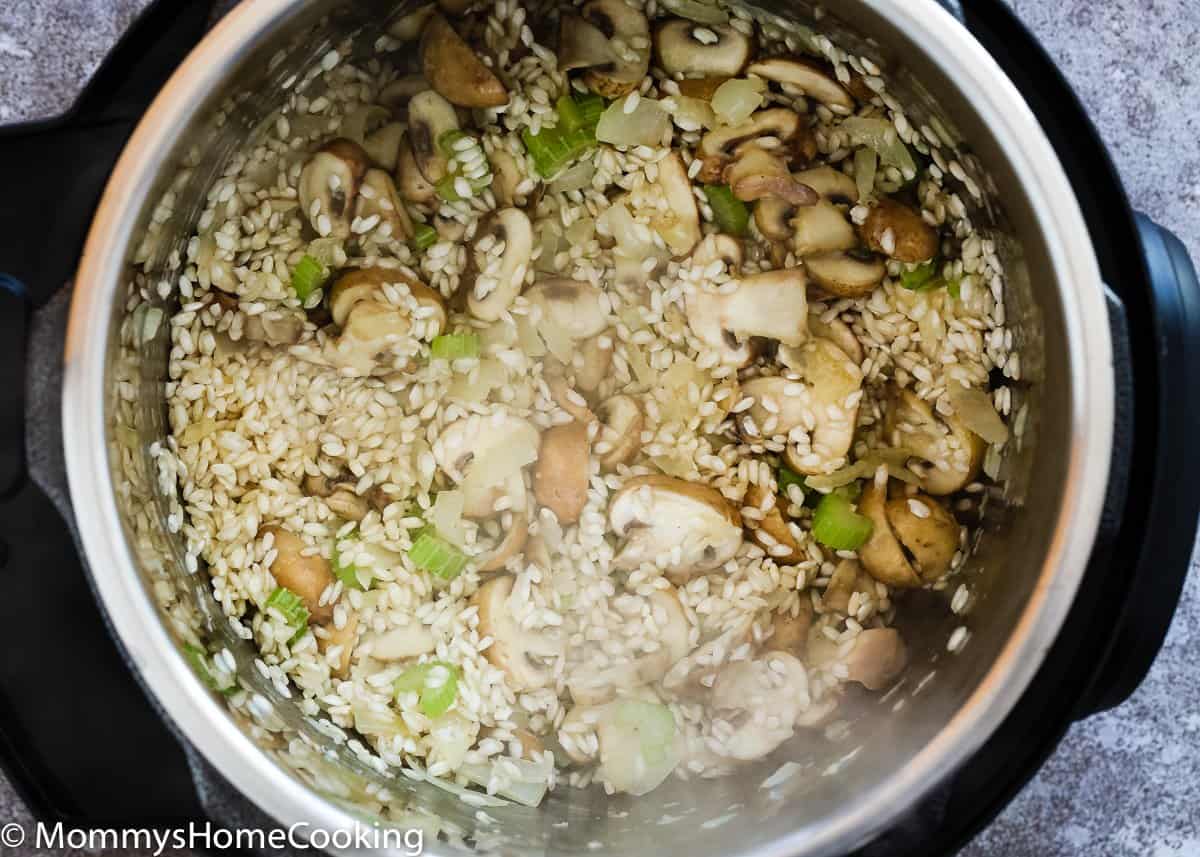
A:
(579, 407)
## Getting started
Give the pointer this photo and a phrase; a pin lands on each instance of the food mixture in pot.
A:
(573, 394)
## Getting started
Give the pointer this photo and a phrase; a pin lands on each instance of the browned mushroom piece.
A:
(877, 659)
(298, 568)
(338, 494)
(701, 87)
(773, 525)
(813, 79)
(625, 28)
(679, 223)
(756, 173)
(848, 578)
(789, 631)
(691, 49)
(882, 555)
(430, 115)
(898, 231)
(329, 184)
(454, 70)
(952, 454)
(560, 477)
(928, 532)
(569, 399)
(329, 635)
(769, 305)
(717, 147)
(846, 274)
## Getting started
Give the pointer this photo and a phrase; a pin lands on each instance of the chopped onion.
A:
(581, 231)
(698, 11)
(446, 516)
(576, 177)
(647, 125)
(496, 464)
(527, 789)
(974, 407)
(894, 459)
(371, 721)
(450, 737)
(736, 99)
(866, 162)
(639, 745)
(692, 114)
(475, 385)
(362, 121)
(881, 136)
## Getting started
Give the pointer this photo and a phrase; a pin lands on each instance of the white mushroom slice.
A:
(780, 404)
(681, 52)
(833, 383)
(485, 455)
(821, 228)
(809, 78)
(720, 246)
(899, 231)
(510, 546)
(501, 268)
(774, 526)
(363, 284)
(329, 185)
(837, 332)
(593, 363)
(625, 27)
(378, 198)
(773, 305)
(685, 526)
(582, 44)
(401, 643)
(761, 699)
(845, 275)
(453, 69)
(528, 658)
(297, 568)
(621, 421)
(878, 658)
(756, 173)
(507, 175)
(831, 184)
(330, 636)
(952, 452)
(565, 396)
(560, 477)
(679, 224)
(692, 677)
(429, 117)
(383, 145)
(576, 308)
(413, 185)
(717, 146)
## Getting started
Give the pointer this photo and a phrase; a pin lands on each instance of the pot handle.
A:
(1171, 507)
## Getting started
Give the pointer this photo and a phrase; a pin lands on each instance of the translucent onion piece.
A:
(974, 407)
(527, 789)
(577, 177)
(893, 459)
(692, 114)
(446, 516)
(647, 125)
(736, 99)
(866, 163)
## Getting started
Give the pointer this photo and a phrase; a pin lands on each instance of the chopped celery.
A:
(436, 555)
(435, 683)
(554, 148)
(652, 723)
(452, 346)
(308, 276)
(424, 236)
(836, 525)
(451, 145)
(344, 569)
(954, 287)
(198, 658)
(922, 278)
(581, 111)
(787, 477)
(448, 141)
(291, 607)
(731, 213)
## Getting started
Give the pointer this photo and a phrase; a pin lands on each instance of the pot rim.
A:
(204, 720)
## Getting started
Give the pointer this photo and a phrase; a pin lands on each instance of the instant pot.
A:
(1080, 565)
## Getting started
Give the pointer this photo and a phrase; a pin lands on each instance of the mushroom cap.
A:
(681, 53)
(846, 276)
(954, 452)
(453, 69)
(778, 122)
(821, 228)
(679, 224)
(911, 240)
(693, 525)
(837, 332)
(579, 309)
(928, 532)
(831, 380)
(303, 573)
(364, 284)
(809, 77)
(617, 20)
(429, 117)
(878, 658)
(560, 477)
(774, 525)
(833, 185)
(621, 421)
(882, 555)
(771, 692)
(413, 185)
(720, 246)
(528, 658)
(503, 277)
(756, 173)
(329, 183)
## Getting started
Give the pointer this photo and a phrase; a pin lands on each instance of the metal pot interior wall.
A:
(739, 814)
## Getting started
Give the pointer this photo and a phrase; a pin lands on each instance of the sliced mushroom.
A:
(692, 677)
(582, 44)
(528, 658)
(773, 525)
(681, 52)
(560, 477)
(479, 441)
(928, 532)
(407, 28)
(378, 198)
(846, 274)
(624, 27)
(896, 230)
(679, 224)
(718, 145)
(429, 117)
(329, 185)
(363, 286)
(413, 185)
(726, 248)
(501, 270)
(772, 216)
(621, 422)
(275, 327)
(780, 405)
(789, 632)
(592, 363)
(808, 77)
(878, 658)
(837, 332)
(848, 578)
(832, 383)
(329, 636)
(566, 397)
(510, 546)
(401, 643)
(673, 634)
(770, 305)
(683, 525)
(577, 308)
(761, 700)
(821, 228)
(757, 173)
(952, 452)
(454, 71)
(703, 88)
(339, 496)
(882, 554)
(507, 175)
(383, 145)
(297, 568)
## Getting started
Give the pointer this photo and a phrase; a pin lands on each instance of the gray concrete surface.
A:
(1122, 784)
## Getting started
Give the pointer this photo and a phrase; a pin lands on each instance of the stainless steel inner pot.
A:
(1037, 537)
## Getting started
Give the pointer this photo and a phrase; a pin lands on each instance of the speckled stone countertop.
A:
(1122, 784)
